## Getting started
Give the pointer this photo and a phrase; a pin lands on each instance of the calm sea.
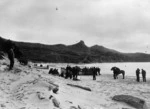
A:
(129, 67)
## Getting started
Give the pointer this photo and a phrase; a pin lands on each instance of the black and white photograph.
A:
(74, 54)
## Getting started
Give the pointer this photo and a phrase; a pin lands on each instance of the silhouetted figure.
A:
(11, 57)
(50, 71)
(75, 72)
(68, 72)
(94, 73)
(53, 71)
(138, 75)
(8, 47)
(144, 75)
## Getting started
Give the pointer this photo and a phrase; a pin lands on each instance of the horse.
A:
(117, 71)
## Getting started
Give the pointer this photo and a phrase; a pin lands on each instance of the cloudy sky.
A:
(123, 25)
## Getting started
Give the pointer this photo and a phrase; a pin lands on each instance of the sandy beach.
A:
(29, 88)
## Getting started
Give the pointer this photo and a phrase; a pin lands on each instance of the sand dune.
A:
(30, 88)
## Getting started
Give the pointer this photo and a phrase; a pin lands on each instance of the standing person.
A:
(144, 75)
(8, 46)
(94, 73)
(11, 57)
(138, 75)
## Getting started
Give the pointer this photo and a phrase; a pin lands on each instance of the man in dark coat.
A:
(144, 75)
(68, 72)
(94, 73)
(11, 57)
(138, 75)
(8, 47)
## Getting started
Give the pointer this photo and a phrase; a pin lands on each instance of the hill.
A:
(77, 53)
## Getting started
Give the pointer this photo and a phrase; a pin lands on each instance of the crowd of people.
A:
(73, 72)
(91, 71)
(53, 71)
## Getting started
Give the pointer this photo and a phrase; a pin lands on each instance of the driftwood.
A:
(85, 88)
(133, 101)
(53, 84)
(73, 107)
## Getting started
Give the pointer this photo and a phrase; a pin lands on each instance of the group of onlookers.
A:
(143, 72)
(53, 71)
(73, 72)
(91, 71)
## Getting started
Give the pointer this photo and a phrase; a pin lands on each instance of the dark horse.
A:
(117, 71)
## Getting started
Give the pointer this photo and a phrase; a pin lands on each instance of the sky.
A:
(123, 25)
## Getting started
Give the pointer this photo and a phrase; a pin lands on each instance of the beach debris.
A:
(55, 101)
(23, 108)
(26, 72)
(132, 101)
(79, 107)
(4, 63)
(69, 102)
(19, 96)
(73, 107)
(53, 87)
(50, 82)
(85, 88)
(40, 96)
(2, 105)
(16, 70)
(55, 90)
